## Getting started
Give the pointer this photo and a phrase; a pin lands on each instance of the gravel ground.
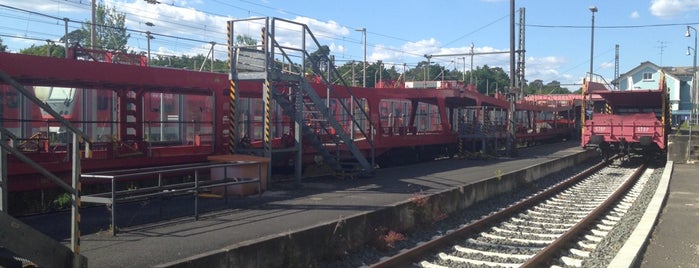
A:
(612, 243)
(369, 255)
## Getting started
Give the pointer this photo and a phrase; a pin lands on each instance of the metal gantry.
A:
(283, 72)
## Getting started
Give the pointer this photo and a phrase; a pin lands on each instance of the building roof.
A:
(673, 72)
(678, 71)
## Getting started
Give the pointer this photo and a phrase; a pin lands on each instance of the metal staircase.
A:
(289, 88)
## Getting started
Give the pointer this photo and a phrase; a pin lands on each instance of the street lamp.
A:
(363, 30)
(593, 9)
(694, 67)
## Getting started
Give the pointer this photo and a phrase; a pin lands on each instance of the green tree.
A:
(245, 40)
(77, 36)
(50, 50)
(423, 72)
(2, 47)
(110, 32)
(538, 87)
(346, 70)
(375, 72)
(188, 62)
(489, 80)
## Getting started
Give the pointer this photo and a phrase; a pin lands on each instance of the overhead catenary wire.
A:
(136, 15)
(325, 34)
(106, 26)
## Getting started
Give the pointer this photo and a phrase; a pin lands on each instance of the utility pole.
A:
(470, 81)
(93, 35)
(463, 72)
(512, 92)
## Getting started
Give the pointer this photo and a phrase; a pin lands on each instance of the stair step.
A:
(346, 166)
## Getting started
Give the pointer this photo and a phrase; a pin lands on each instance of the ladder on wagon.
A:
(332, 125)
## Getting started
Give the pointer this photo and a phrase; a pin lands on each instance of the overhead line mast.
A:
(510, 146)
(517, 78)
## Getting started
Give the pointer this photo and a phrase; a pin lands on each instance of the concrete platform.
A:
(289, 219)
(674, 241)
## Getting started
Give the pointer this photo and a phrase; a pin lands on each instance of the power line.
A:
(612, 27)
(173, 21)
(478, 29)
(30, 12)
(106, 26)
(23, 37)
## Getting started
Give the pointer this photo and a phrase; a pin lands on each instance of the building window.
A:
(647, 76)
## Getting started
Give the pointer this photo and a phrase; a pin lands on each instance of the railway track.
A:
(534, 232)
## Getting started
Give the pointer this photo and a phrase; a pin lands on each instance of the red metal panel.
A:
(629, 128)
(633, 98)
(47, 71)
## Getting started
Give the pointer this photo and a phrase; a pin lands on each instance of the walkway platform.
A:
(674, 241)
(279, 211)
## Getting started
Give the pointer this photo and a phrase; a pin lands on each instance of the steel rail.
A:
(406, 257)
(552, 250)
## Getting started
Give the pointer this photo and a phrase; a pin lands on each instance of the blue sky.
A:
(398, 32)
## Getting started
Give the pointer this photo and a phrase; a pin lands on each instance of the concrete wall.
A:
(678, 145)
(306, 247)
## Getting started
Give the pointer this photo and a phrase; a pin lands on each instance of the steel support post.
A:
(196, 194)
(267, 99)
(75, 211)
(298, 134)
(232, 92)
(3, 174)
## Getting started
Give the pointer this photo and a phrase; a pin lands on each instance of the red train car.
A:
(139, 116)
(631, 121)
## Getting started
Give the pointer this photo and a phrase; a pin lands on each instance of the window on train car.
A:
(12, 100)
(647, 76)
(169, 107)
(102, 103)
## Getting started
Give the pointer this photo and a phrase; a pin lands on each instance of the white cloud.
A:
(387, 54)
(408, 52)
(323, 29)
(174, 20)
(183, 21)
(422, 47)
(547, 69)
(635, 15)
(54, 8)
(607, 65)
(337, 49)
(672, 8)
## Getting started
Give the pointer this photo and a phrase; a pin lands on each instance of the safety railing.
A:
(162, 188)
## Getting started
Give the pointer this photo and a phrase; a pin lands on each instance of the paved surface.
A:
(673, 243)
(246, 220)
(675, 239)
